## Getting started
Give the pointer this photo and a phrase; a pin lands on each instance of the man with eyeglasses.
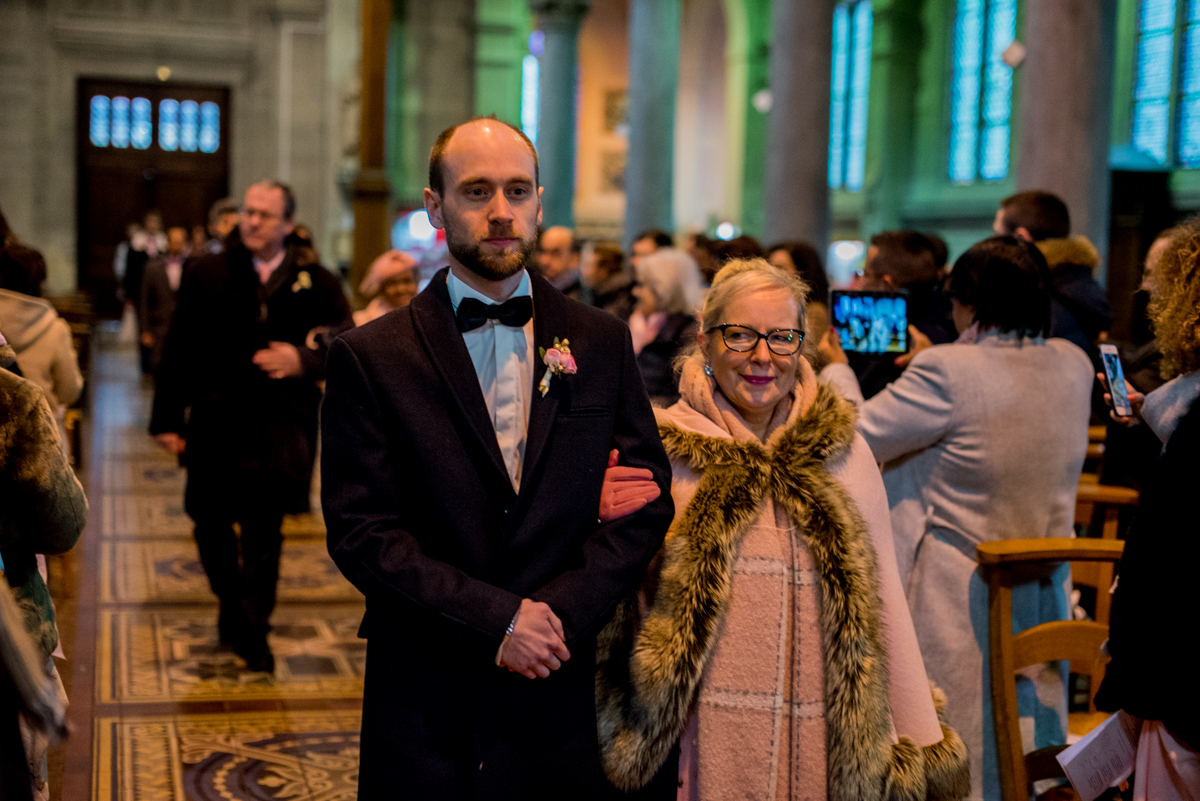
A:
(236, 399)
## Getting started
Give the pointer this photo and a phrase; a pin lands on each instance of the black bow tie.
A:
(514, 312)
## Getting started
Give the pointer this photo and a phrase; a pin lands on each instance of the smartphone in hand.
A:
(1116, 380)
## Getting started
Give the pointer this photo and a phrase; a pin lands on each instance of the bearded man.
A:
(465, 440)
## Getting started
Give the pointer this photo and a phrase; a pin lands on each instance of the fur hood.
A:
(649, 672)
(1075, 250)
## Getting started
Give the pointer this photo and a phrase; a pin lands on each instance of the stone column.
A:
(797, 164)
(653, 81)
(559, 22)
(1066, 109)
(371, 214)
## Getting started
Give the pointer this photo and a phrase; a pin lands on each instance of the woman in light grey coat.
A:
(982, 440)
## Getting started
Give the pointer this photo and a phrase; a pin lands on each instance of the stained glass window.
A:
(529, 96)
(849, 89)
(120, 122)
(1189, 89)
(99, 123)
(189, 125)
(981, 90)
(140, 131)
(1152, 91)
(168, 125)
(210, 127)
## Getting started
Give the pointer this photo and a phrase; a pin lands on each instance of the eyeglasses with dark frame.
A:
(743, 339)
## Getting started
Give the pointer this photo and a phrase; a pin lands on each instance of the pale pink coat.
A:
(758, 730)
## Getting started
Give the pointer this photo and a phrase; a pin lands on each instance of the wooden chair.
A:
(1076, 641)
(1098, 510)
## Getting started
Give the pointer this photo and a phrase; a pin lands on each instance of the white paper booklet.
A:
(1104, 757)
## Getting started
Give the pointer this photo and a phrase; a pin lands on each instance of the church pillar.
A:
(797, 163)
(653, 81)
(1066, 108)
(559, 22)
(371, 214)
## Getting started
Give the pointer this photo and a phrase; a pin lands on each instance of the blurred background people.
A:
(22, 269)
(904, 260)
(981, 440)
(558, 261)
(223, 218)
(603, 274)
(391, 283)
(1156, 592)
(236, 358)
(663, 322)
(156, 307)
(646, 243)
(1079, 310)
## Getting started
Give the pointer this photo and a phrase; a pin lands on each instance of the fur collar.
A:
(648, 675)
(1077, 250)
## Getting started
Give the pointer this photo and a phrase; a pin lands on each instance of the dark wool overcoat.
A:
(1152, 634)
(251, 439)
(423, 519)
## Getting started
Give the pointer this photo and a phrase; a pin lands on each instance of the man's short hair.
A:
(1043, 214)
(437, 156)
(1007, 282)
(906, 256)
(661, 238)
(289, 197)
(225, 205)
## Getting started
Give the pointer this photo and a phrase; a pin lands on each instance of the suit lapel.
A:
(434, 319)
(281, 276)
(550, 320)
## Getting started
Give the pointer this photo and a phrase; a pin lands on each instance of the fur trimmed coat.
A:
(44, 508)
(772, 633)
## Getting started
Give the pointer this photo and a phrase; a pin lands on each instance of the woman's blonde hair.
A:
(1175, 300)
(741, 276)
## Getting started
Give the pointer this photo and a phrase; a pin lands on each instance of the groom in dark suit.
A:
(461, 481)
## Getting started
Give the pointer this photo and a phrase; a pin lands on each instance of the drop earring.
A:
(708, 369)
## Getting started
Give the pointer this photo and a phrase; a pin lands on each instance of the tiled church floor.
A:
(166, 715)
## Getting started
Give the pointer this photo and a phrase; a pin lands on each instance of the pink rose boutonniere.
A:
(558, 361)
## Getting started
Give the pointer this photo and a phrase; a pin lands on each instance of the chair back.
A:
(1098, 509)
(1076, 641)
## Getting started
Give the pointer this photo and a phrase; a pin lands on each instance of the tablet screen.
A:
(870, 323)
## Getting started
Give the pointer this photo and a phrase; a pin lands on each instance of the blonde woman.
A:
(771, 638)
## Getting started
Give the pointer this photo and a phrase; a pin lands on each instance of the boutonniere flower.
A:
(558, 361)
(303, 281)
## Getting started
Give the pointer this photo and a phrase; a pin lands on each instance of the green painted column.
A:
(797, 189)
(653, 83)
(559, 22)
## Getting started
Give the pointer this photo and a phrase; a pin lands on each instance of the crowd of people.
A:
(635, 525)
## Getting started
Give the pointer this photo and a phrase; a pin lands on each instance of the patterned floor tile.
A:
(149, 655)
(163, 517)
(169, 571)
(143, 477)
(298, 756)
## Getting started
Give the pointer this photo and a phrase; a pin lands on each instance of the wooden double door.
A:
(144, 146)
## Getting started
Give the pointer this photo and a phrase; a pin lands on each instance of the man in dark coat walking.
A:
(237, 398)
(461, 477)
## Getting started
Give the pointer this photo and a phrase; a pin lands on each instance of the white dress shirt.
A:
(503, 359)
(265, 268)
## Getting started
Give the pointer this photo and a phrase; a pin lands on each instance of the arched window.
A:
(530, 77)
(1167, 87)
(981, 90)
(99, 124)
(120, 122)
(849, 87)
(140, 130)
